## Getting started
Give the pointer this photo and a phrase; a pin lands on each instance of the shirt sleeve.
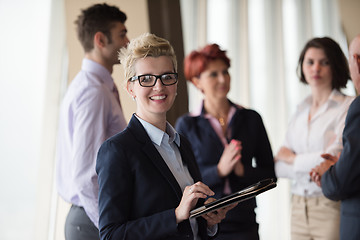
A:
(211, 231)
(303, 163)
(284, 170)
(90, 121)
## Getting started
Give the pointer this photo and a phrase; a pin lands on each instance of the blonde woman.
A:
(148, 177)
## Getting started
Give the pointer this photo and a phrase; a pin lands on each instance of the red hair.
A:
(197, 61)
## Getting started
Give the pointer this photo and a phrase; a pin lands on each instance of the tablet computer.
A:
(239, 196)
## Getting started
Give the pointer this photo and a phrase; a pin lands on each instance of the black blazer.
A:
(137, 192)
(246, 126)
(342, 180)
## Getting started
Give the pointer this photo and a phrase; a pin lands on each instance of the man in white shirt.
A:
(90, 113)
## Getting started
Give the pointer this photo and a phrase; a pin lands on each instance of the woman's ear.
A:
(130, 89)
(196, 82)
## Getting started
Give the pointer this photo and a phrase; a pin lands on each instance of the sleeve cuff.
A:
(211, 231)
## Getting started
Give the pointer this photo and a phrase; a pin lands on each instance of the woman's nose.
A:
(317, 67)
(158, 84)
(222, 78)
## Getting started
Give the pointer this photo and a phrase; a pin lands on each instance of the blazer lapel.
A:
(150, 151)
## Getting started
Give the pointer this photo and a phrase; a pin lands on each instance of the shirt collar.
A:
(200, 110)
(100, 71)
(156, 135)
(335, 98)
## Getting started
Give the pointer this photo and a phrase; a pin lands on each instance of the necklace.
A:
(221, 121)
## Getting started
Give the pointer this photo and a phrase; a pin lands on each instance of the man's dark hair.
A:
(97, 18)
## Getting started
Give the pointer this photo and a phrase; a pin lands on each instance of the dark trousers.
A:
(78, 225)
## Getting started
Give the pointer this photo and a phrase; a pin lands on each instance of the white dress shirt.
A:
(167, 144)
(89, 115)
(308, 140)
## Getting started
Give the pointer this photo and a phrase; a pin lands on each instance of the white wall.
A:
(24, 87)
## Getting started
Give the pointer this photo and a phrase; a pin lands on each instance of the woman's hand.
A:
(217, 216)
(230, 157)
(189, 199)
(239, 169)
(285, 154)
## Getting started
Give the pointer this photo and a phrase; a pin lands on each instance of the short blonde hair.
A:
(146, 45)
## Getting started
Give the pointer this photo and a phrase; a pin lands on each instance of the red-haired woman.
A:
(230, 142)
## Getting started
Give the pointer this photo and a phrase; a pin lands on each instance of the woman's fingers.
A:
(189, 199)
(199, 187)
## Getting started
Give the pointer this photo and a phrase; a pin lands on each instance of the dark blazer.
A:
(246, 125)
(342, 180)
(137, 192)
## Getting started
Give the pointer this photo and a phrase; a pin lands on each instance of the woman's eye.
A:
(166, 77)
(213, 74)
(146, 79)
(309, 62)
(325, 63)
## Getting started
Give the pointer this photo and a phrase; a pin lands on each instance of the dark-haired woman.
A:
(315, 128)
(229, 141)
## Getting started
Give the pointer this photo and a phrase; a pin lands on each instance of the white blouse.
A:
(308, 140)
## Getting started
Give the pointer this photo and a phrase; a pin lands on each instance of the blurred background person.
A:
(230, 142)
(315, 128)
(90, 113)
(148, 177)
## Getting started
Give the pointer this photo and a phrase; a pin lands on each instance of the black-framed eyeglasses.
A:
(149, 80)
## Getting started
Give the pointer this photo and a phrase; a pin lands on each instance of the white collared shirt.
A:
(89, 114)
(167, 144)
(323, 134)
